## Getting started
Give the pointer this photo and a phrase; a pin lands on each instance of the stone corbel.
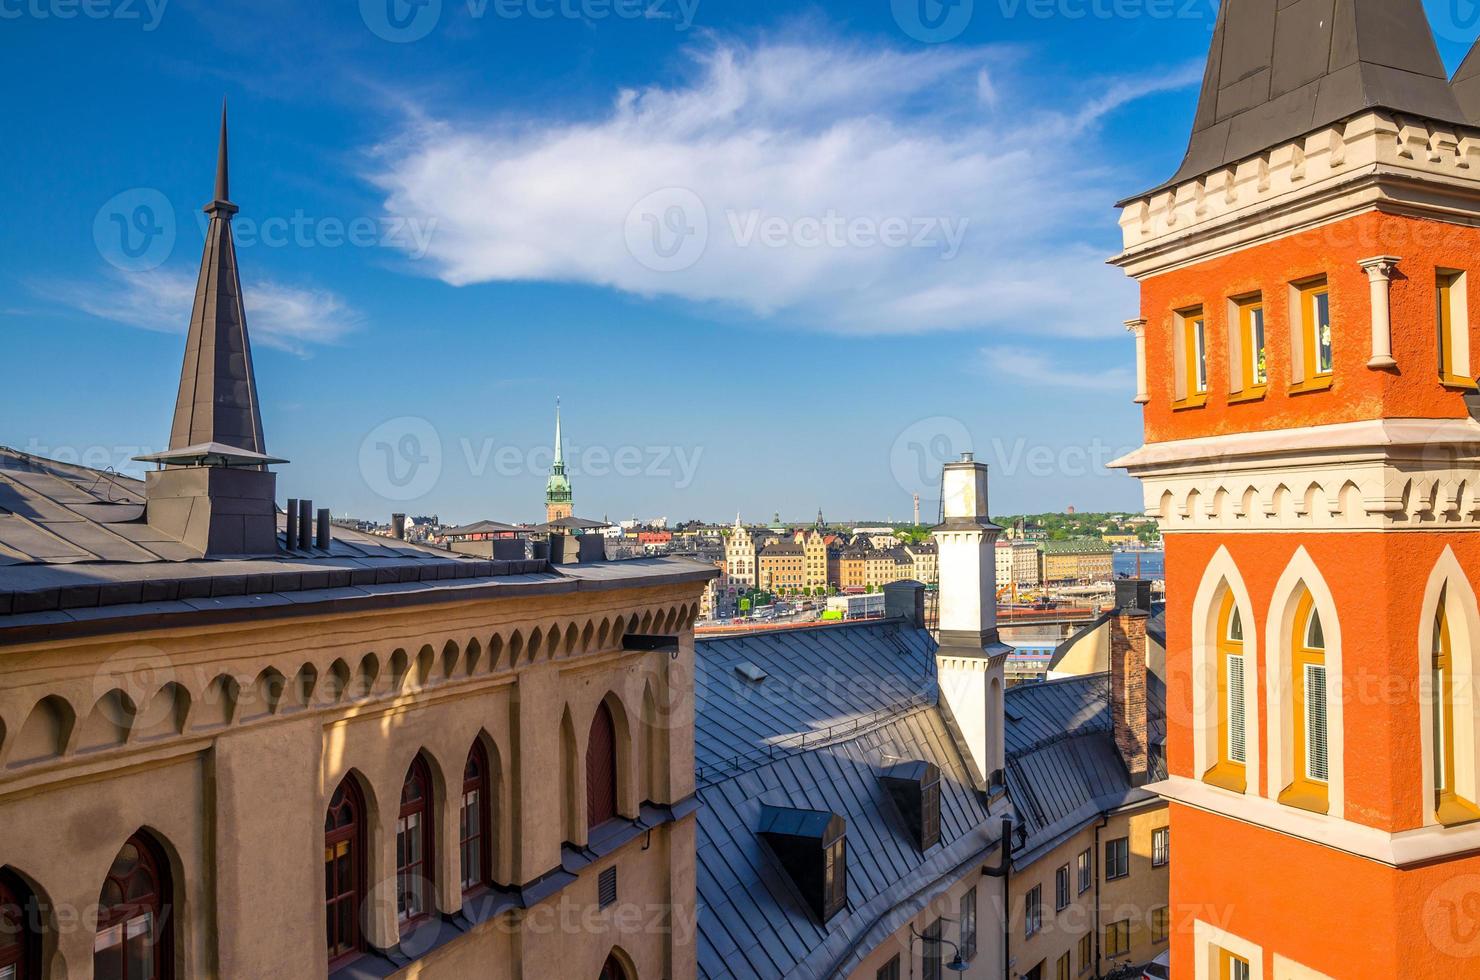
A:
(1138, 328)
(1379, 276)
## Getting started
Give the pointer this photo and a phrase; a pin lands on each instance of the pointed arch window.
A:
(1310, 788)
(1449, 807)
(414, 844)
(601, 768)
(473, 821)
(1230, 769)
(134, 916)
(19, 943)
(344, 871)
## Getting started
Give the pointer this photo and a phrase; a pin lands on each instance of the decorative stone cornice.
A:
(1396, 474)
(1377, 160)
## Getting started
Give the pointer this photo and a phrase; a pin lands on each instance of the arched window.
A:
(473, 821)
(1449, 807)
(601, 768)
(414, 844)
(134, 916)
(1310, 788)
(1229, 771)
(20, 951)
(344, 870)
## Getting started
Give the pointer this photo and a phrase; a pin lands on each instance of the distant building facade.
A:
(1078, 560)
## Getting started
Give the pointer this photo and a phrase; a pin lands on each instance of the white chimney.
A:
(971, 662)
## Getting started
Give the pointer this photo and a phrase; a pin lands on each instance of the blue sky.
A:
(773, 257)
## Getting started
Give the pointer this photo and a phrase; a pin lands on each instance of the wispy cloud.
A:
(1037, 368)
(288, 318)
(767, 181)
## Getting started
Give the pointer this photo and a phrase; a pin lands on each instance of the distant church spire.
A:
(217, 401)
(559, 498)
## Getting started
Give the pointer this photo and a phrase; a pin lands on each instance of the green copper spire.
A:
(558, 495)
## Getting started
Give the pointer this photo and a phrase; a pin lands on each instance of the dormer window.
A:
(812, 846)
(915, 788)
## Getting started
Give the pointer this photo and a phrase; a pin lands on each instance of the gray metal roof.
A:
(1063, 769)
(1280, 69)
(863, 695)
(75, 549)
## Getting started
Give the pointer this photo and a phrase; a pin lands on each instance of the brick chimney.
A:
(1128, 675)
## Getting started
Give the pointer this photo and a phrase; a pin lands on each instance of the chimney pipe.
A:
(324, 535)
(292, 542)
(398, 526)
(305, 524)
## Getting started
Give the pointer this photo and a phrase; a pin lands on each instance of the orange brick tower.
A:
(1304, 362)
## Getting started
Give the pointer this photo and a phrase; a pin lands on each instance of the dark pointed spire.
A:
(1279, 71)
(217, 402)
(223, 180)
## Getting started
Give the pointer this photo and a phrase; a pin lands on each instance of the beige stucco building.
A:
(239, 743)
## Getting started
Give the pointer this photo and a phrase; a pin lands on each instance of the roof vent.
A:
(750, 672)
(812, 846)
(914, 786)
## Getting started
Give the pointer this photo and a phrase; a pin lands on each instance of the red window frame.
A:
(134, 914)
(601, 768)
(474, 822)
(344, 872)
(415, 857)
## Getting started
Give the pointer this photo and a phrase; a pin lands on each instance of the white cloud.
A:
(1037, 368)
(285, 317)
(832, 182)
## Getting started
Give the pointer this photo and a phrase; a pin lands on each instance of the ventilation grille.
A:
(606, 888)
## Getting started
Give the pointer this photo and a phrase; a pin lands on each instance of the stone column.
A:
(1138, 328)
(1379, 276)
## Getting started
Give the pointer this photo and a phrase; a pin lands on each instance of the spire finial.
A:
(559, 450)
(223, 182)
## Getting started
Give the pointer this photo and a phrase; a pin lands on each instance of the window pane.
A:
(1258, 366)
(1316, 763)
(1199, 336)
(140, 946)
(1441, 750)
(1236, 716)
(1315, 634)
(1321, 303)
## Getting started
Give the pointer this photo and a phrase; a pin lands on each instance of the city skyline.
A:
(408, 356)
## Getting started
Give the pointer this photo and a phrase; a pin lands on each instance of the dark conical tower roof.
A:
(217, 402)
(1466, 85)
(1280, 69)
